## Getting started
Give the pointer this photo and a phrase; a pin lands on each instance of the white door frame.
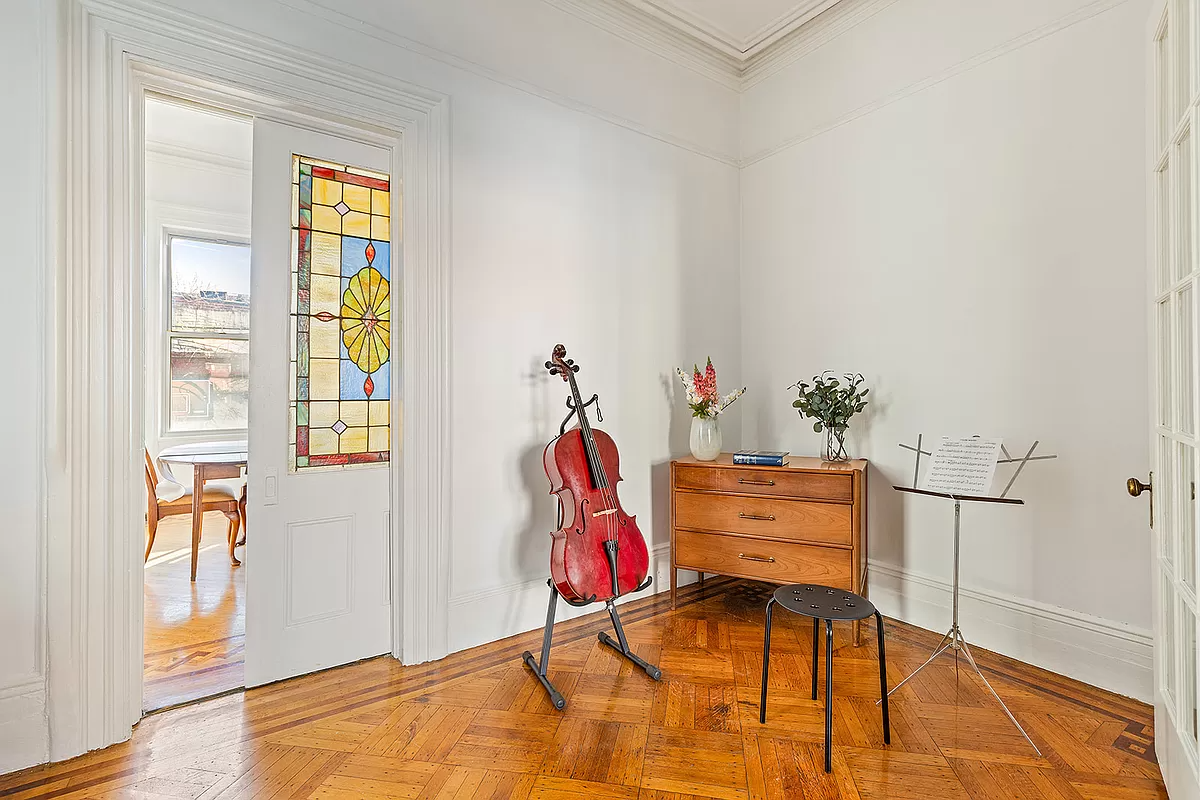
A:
(116, 51)
(1174, 402)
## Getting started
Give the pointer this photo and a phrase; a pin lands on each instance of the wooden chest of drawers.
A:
(803, 523)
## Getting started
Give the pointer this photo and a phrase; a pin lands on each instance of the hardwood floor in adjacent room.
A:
(195, 632)
(477, 725)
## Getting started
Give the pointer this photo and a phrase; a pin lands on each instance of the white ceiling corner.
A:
(740, 28)
(734, 42)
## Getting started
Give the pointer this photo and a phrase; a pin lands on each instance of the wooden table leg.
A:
(234, 526)
(197, 512)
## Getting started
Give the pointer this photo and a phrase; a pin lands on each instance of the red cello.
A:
(598, 553)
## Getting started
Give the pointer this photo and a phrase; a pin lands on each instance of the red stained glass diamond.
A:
(370, 252)
(369, 386)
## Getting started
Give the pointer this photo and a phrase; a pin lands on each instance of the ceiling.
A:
(179, 127)
(739, 28)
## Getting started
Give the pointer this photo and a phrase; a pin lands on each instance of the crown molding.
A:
(715, 54)
(742, 49)
(812, 35)
(194, 158)
(655, 33)
(786, 23)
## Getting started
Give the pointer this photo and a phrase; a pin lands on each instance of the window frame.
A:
(168, 333)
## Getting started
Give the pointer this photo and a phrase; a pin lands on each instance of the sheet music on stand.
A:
(963, 466)
(964, 470)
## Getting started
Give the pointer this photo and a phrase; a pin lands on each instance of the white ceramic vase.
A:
(705, 439)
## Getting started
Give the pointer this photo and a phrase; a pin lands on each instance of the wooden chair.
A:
(220, 497)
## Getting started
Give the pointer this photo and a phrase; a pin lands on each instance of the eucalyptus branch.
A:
(830, 401)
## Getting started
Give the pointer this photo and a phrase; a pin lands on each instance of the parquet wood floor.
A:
(477, 725)
(195, 632)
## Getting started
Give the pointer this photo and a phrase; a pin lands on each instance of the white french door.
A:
(1174, 281)
(318, 560)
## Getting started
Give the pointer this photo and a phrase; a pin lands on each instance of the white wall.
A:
(949, 198)
(25, 267)
(594, 201)
(591, 204)
(625, 250)
(981, 162)
(197, 183)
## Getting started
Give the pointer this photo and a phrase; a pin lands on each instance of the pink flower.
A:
(703, 399)
(706, 384)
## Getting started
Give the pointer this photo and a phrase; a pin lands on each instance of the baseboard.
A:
(1099, 652)
(490, 614)
(24, 732)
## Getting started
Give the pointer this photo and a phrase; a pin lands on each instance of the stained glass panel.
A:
(341, 315)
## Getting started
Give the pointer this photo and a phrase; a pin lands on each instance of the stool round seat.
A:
(831, 605)
(822, 602)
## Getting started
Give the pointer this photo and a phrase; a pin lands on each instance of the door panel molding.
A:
(343, 527)
(113, 54)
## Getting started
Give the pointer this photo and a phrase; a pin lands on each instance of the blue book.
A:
(761, 458)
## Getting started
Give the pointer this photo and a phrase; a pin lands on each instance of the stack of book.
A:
(761, 458)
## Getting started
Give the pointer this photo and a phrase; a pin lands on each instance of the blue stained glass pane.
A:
(354, 254)
(305, 191)
(353, 378)
(383, 258)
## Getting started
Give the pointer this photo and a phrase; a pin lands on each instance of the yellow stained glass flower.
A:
(366, 319)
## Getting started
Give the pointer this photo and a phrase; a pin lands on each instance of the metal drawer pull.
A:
(767, 560)
(767, 518)
(756, 483)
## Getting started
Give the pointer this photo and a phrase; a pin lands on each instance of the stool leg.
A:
(762, 703)
(816, 653)
(828, 694)
(883, 690)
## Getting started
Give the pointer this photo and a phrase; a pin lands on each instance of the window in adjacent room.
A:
(208, 333)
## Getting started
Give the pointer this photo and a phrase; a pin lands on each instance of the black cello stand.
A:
(619, 644)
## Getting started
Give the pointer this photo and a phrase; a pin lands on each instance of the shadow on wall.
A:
(532, 551)
(678, 430)
(885, 506)
(776, 425)
(660, 471)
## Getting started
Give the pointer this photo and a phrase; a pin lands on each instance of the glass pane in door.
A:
(1169, 673)
(1162, 221)
(1185, 527)
(1182, 175)
(1162, 69)
(1183, 54)
(1188, 721)
(1185, 309)
(1164, 363)
(1164, 511)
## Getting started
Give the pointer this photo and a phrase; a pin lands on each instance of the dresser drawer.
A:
(778, 481)
(776, 562)
(827, 523)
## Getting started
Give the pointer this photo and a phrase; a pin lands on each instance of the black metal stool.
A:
(824, 603)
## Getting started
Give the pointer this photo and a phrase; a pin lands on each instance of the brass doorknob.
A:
(1136, 487)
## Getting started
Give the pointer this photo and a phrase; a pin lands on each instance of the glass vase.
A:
(834, 448)
(705, 438)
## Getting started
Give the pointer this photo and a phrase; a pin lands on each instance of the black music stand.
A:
(954, 640)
